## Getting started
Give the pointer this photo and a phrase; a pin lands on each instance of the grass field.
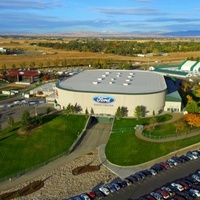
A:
(57, 54)
(125, 149)
(18, 152)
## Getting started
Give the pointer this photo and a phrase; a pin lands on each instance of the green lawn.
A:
(18, 152)
(124, 148)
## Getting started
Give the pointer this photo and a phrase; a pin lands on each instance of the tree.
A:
(40, 65)
(25, 120)
(56, 62)
(13, 66)
(119, 113)
(32, 64)
(11, 121)
(64, 63)
(193, 119)
(180, 125)
(138, 112)
(48, 110)
(153, 122)
(86, 112)
(48, 63)
(4, 69)
(186, 85)
(192, 107)
(23, 65)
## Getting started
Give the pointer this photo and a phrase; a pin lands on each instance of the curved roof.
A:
(190, 65)
(115, 81)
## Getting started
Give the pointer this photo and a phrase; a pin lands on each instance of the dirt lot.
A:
(43, 55)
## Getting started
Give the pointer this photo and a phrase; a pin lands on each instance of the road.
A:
(151, 183)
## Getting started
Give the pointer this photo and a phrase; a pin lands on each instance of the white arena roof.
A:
(115, 81)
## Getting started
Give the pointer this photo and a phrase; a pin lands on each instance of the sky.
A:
(103, 16)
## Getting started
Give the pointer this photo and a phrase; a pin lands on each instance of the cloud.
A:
(28, 4)
(130, 11)
(179, 20)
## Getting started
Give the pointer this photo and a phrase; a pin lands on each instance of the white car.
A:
(173, 161)
(194, 192)
(85, 196)
(196, 177)
(104, 190)
(177, 186)
(152, 171)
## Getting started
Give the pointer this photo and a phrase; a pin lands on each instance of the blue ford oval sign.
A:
(103, 99)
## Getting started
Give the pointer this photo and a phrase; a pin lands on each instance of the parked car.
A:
(91, 195)
(132, 179)
(77, 198)
(146, 172)
(164, 193)
(196, 177)
(177, 186)
(141, 175)
(111, 188)
(168, 190)
(122, 184)
(152, 171)
(99, 195)
(185, 158)
(116, 186)
(185, 185)
(104, 190)
(156, 195)
(128, 182)
(164, 165)
(191, 179)
(85, 197)
(194, 192)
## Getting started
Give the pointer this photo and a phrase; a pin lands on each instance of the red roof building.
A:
(28, 76)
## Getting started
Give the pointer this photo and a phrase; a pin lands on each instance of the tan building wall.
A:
(172, 106)
(153, 102)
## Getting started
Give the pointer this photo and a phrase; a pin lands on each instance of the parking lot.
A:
(17, 110)
(145, 186)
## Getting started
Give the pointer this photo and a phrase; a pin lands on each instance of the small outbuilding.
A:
(24, 76)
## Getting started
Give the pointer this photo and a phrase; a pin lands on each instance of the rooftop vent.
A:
(128, 80)
(99, 79)
(103, 75)
(107, 73)
(125, 84)
(111, 82)
(130, 76)
(118, 75)
(95, 82)
(112, 79)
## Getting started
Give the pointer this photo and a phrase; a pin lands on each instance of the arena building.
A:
(103, 91)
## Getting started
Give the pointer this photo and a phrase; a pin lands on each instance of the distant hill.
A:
(134, 34)
(190, 33)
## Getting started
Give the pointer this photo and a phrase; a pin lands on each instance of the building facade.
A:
(103, 91)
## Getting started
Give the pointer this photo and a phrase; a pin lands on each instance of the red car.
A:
(163, 193)
(164, 165)
(91, 195)
(185, 185)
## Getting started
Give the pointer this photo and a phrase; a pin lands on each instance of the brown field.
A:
(73, 57)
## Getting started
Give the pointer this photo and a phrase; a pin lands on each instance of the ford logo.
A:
(103, 99)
